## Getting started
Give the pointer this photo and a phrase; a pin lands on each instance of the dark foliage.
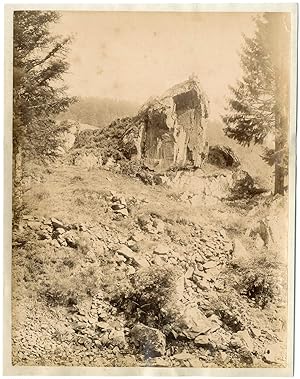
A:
(258, 105)
(39, 62)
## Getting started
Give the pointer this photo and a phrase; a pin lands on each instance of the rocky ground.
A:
(108, 271)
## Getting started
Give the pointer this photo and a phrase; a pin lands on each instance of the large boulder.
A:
(222, 156)
(191, 322)
(150, 341)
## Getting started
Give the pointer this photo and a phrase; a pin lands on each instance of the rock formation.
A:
(173, 131)
(169, 131)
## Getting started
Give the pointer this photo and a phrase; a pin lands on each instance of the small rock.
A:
(71, 239)
(202, 340)
(202, 283)
(189, 273)
(123, 201)
(219, 285)
(236, 342)
(183, 356)
(151, 341)
(117, 206)
(27, 217)
(120, 258)
(60, 230)
(126, 252)
(137, 237)
(192, 322)
(141, 261)
(259, 243)
(117, 338)
(246, 339)
(56, 223)
(159, 362)
(195, 362)
(199, 258)
(91, 257)
(161, 250)
(130, 270)
(123, 212)
(131, 243)
(223, 356)
(210, 264)
(172, 261)
(215, 318)
(34, 225)
(255, 332)
(159, 225)
(158, 261)
(102, 325)
(239, 251)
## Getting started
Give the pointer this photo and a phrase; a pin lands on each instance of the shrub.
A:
(258, 280)
(76, 178)
(42, 195)
(259, 287)
(146, 296)
(58, 276)
(72, 285)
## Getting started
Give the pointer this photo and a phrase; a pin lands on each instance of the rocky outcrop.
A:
(222, 156)
(174, 130)
(169, 131)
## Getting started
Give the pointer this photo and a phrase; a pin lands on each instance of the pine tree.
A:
(259, 102)
(39, 61)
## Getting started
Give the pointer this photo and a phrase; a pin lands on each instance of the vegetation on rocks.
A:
(110, 272)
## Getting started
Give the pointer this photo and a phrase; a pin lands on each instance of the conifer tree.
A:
(259, 101)
(39, 62)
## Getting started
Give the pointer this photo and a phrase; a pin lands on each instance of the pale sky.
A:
(135, 55)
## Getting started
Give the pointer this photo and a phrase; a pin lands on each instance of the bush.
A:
(71, 285)
(59, 276)
(258, 280)
(146, 296)
(259, 287)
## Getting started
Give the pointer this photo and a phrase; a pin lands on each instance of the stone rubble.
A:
(98, 325)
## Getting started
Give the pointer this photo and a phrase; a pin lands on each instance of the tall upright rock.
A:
(174, 127)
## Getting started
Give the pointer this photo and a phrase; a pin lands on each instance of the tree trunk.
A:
(282, 77)
(17, 184)
(279, 179)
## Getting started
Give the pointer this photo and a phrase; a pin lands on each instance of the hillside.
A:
(111, 272)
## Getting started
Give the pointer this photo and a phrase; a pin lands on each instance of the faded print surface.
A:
(151, 212)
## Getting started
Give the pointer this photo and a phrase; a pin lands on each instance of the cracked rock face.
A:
(174, 130)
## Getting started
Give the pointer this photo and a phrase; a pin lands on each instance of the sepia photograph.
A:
(150, 192)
